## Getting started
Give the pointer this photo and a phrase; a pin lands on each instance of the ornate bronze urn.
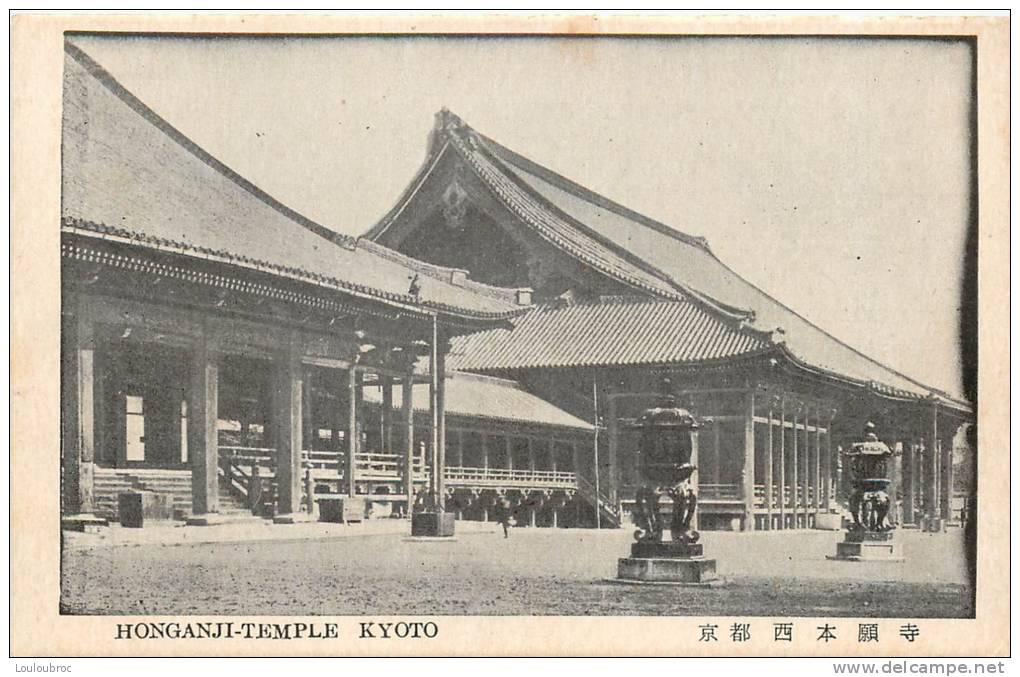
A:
(869, 535)
(664, 458)
(668, 438)
(869, 501)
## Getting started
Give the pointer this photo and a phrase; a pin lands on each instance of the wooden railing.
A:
(503, 477)
(720, 492)
(794, 497)
(237, 464)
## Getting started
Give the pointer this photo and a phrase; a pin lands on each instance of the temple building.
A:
(219, 347)
(623, 302)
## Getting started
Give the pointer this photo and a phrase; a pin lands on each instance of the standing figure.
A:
(503, 516)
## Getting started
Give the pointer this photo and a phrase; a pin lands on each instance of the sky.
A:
(833, 174)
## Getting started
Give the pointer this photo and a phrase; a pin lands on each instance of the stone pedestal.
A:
(869, 546)
(670, 550)
(668, 563)
(433, 524)
(137, 507)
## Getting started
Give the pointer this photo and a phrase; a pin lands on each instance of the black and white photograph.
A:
(422, 325)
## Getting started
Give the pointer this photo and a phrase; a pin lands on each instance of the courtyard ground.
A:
(312, 569)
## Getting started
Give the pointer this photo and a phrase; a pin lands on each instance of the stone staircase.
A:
(110, 482)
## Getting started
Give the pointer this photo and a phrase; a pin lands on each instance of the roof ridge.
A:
(589, 195)
(505, 154)
(454, 123)
(107, 79)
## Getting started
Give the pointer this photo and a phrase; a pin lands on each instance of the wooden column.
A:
(288, 416)
(907, 481)
(607, 475)
(203, 445)
(460, 448)
(353, 433)
(485, 450)
(805, 474)
(407, 409)
(78, 430)
(696, 475)
(768, 473)
(748, 474)
(827, 467)
(309, 429)
(782, 464)
(554, 462)
(818, 461)
(386, 416)
(946, 484)
(716, 455)
(310, 438)
(930, 465)
(794, 484)
(440, 435)
(509, 447)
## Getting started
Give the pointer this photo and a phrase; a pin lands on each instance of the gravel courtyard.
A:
(362, 570)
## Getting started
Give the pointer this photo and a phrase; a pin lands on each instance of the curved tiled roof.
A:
(624, 244)
(487, 397)
(617, 332)
(128, 173)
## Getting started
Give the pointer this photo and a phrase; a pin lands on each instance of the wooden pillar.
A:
(78, 430)
(288, 416)
(554, 462)
(509, 447)
(907, 481)
(768, 472)
(696, 475)
(930, 465)
(827, 466)
(309, 429)
(782, 464)
(386, 416)
(485, 450)
(310, 437)
(946, 484)
(531, 454)
(440, 435)
(434, 409)
(748, 473)
(203, 446)
(805, 474)
(716, 455)
(607, 481)
(555, 518)
(353, 433)
(817, 470)
(794, 484)
(407, 408)
(460, 448)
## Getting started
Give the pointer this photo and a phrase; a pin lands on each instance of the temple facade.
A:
(220, 348)
(623, 301)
